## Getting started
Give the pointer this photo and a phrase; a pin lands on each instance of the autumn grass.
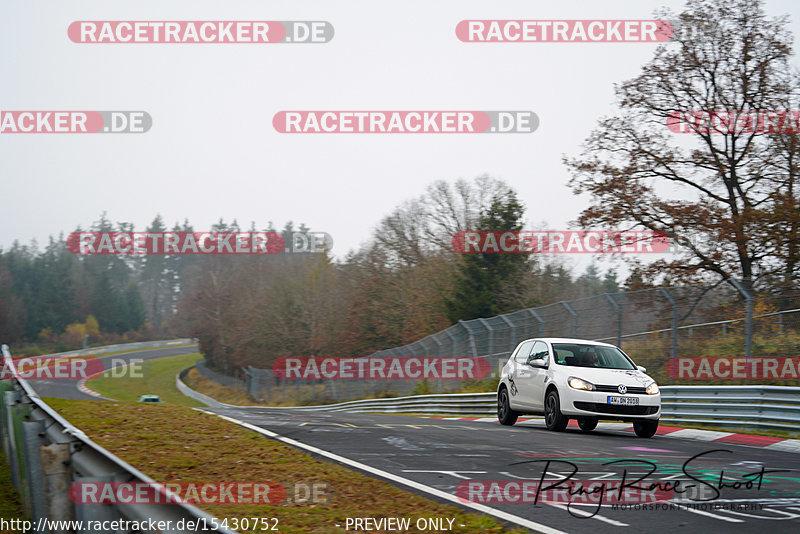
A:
(10, 504)
(172, 443)
(152, 377)
(216, 391)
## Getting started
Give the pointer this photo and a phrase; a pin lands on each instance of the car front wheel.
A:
(505, 414)
(553, 417)
(645, 428)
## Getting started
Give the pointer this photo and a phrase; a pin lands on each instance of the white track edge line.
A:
(505, 516)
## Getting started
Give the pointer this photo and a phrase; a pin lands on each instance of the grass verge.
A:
(223, 394)
(174, 443)
(156, 377)
(10, 504)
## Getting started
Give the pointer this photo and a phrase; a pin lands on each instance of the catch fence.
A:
(651, 325)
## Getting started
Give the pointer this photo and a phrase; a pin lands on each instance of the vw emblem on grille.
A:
(622, 388)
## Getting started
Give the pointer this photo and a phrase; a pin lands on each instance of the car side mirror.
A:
(538, 362)
(642, 369)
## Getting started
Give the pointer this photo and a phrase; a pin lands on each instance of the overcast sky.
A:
(212, 151)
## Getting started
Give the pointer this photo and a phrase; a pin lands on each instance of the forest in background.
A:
(404, 283)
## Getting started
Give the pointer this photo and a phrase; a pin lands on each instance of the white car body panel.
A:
(528, 386)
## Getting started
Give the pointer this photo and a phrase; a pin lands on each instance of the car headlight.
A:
(652, 389)
(579, 383)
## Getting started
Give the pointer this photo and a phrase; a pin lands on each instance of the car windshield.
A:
(587, 355)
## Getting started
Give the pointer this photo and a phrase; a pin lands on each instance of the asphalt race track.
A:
(441, 454)
(68, 389)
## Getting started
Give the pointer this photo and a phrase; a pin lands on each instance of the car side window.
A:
(540, 351)
(564, 357)
(523, 352)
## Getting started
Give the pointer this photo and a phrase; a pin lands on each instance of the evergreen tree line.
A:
(46, 290)
(42, 292)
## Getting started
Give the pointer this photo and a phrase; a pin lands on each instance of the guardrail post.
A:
(11, 398)
(33, 439)
(4, 387)
(57, 478)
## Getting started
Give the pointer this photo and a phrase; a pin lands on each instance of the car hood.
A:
(611, 377)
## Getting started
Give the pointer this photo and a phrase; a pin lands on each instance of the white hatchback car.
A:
(567, 379)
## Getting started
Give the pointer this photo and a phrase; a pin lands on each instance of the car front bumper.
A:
(595, 404)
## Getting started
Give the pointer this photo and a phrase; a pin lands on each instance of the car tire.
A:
(645, 428)
(587, 424)
(553, 418)
(505, 414)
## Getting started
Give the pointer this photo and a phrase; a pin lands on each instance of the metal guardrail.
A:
(136, 345)
(762, 407)
(47, 455)
(196, 395)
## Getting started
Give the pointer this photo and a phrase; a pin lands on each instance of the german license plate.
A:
(626, 401)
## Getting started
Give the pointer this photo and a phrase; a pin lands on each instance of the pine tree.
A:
(481, 277)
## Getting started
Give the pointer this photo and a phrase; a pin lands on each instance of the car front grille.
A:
(636, 390)
(616, 409)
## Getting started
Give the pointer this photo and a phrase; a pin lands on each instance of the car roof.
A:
(569, 340)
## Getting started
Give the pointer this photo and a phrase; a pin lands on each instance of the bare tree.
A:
(425, 226)
(726, 186)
